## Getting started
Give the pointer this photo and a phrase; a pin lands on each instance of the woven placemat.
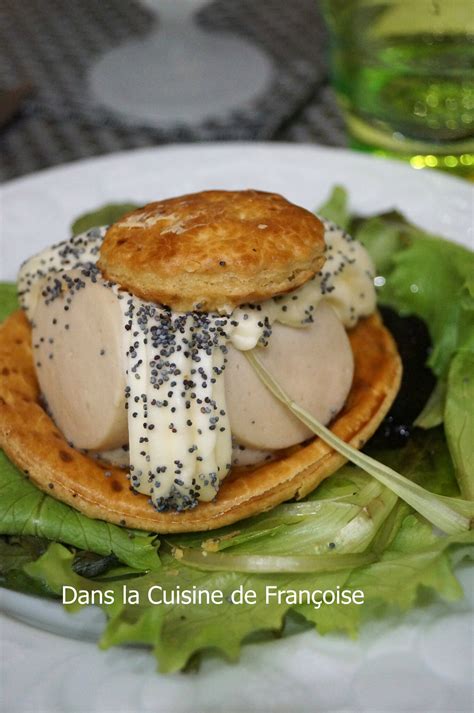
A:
(53, 42)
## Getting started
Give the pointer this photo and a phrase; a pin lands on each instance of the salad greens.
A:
(459, 418)
(411, 558)
(9, 299)
(336, 208)
(352, 531)
(432, 278)
(105, 215)
(25, 510)
(422, 274)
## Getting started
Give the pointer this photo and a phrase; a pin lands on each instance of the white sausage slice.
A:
(79, 363)
(313, 364)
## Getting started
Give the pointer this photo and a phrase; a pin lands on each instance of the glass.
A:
(403, 71)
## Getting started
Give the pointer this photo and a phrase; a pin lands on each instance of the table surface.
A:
(52, 43)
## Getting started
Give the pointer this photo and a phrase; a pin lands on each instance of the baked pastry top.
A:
(213, 249)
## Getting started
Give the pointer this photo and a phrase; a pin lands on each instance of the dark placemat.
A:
(52, 42)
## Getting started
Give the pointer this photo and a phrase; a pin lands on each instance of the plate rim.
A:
(358, 156)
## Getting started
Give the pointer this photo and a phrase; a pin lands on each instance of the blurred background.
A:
(81, 78)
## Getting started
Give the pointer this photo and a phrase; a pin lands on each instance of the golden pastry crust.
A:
(213, 249)
(32, 441)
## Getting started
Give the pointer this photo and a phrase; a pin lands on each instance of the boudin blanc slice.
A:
(77, 345)
(313, 364)
(80, 366)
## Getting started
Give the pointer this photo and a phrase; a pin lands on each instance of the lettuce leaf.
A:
(432, 278)
(423, 274)
(459, 419)
(8, 299)
(342, 516)
(336, 208)
(15, 553)
(105, 215)
(432, 414)
(25, 510)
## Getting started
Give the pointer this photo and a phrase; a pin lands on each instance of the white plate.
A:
(418, 662)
